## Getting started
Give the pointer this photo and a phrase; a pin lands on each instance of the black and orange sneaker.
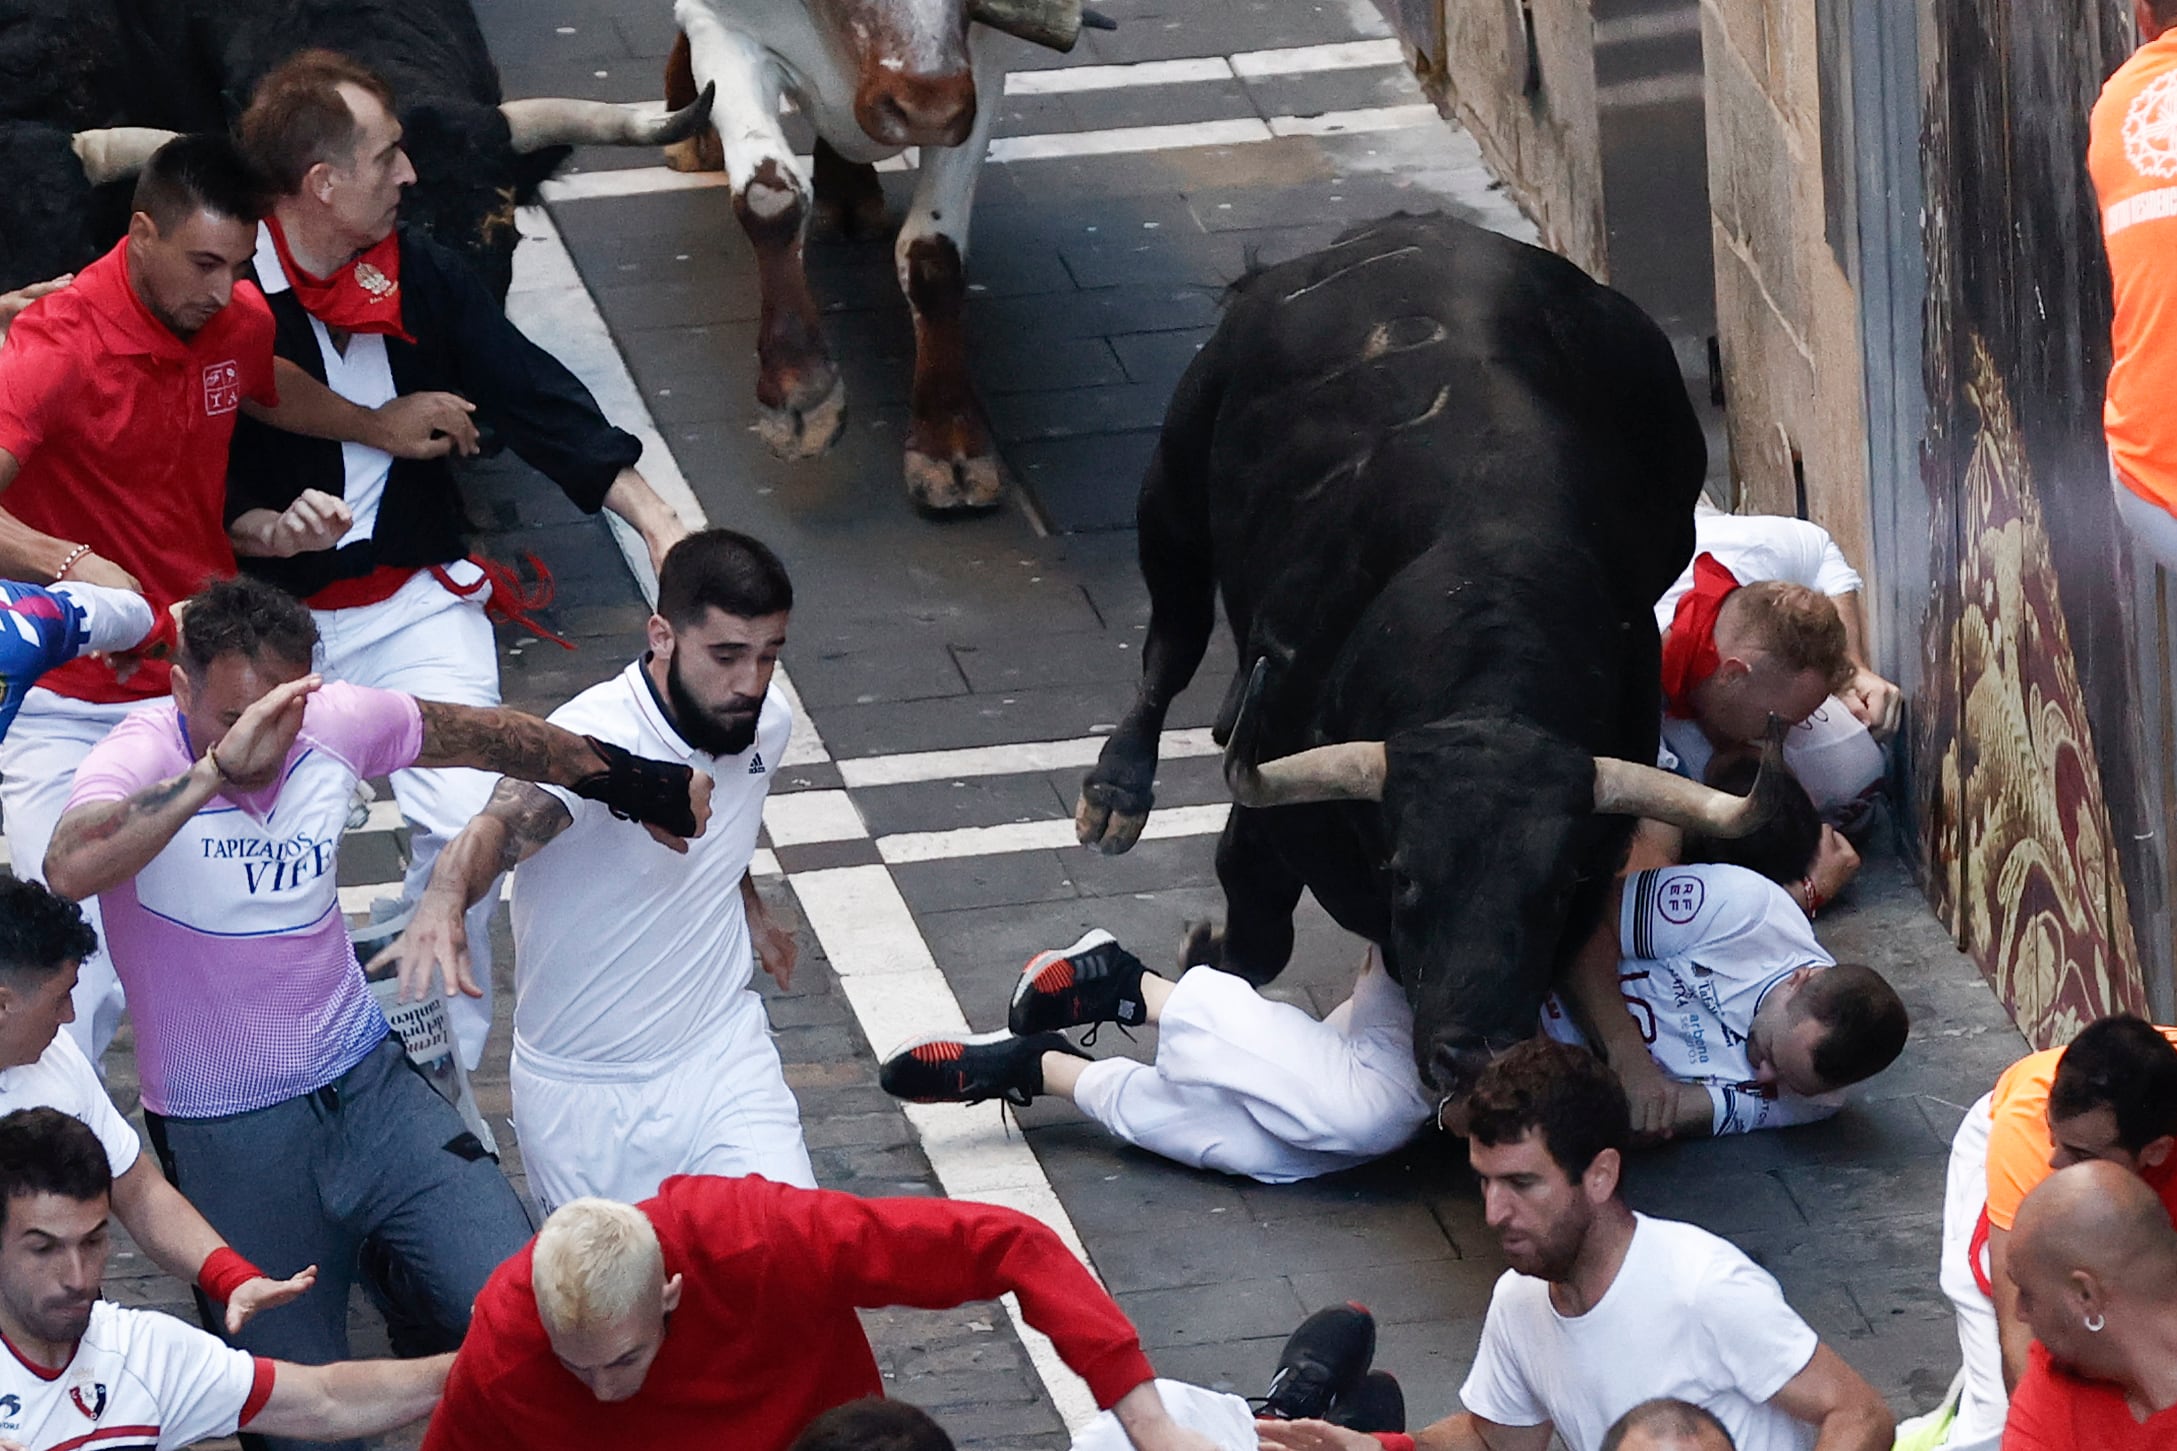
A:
(1093, 981)
(972, 1069)
(1324, 1360)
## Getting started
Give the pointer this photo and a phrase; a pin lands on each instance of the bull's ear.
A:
(532, 169)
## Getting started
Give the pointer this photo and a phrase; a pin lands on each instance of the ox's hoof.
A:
(952, 485)
(1106, 823)
(796, 433)
(700, 152)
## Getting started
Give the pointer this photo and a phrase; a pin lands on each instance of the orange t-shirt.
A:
(2132, 155)
(2018, 1141)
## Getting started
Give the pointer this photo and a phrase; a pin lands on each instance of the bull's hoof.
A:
(700, 152)
(1203, 946)
(1102, 821)
(798, 433)
(952, 485)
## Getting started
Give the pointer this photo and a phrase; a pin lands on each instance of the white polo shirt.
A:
(62, 1078)
(1756, 547)
(139, 1379)
(1701, 947)
(628, 955)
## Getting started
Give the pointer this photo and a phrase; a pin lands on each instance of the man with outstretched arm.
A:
(86, 1372)
(276, 1095)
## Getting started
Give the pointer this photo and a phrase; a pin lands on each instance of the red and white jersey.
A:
(139, 1380)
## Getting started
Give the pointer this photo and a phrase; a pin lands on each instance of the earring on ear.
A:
(2096, 1323)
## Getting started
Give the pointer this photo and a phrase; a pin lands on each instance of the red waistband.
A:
(379, 585)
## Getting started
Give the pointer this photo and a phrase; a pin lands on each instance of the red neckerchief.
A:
(1689, 655)
(362, 297)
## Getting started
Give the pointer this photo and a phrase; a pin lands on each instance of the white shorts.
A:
(1225, 1419)
(722, 1108)
(426, 641)
(38, 762)
(1982, 1403)
(1249, 1086)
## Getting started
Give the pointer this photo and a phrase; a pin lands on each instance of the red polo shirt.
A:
(2054, 1410)
(121, 429)
(765, 1338)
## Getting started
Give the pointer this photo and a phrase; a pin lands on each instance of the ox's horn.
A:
(1053, 23)
(1627, 788)
(111, 153)
(1347, 771)
(564, 121)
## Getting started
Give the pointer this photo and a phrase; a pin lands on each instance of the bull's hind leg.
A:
(700, 152)
(803, 403)
(951, 462)
(1261, 893)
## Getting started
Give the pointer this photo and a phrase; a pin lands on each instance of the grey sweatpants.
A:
(376, 1153)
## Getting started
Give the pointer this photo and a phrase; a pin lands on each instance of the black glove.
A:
(636, 788)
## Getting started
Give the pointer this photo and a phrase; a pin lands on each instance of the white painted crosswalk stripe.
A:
(1011, 760)
(1246, 65)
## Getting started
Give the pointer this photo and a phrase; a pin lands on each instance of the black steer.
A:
(1439, 478)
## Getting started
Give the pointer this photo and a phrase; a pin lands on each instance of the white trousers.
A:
(1983, 1403)
(616, 1133)
(1224, 1418)
(38, 762)
(428, 642)
(1248, 1086)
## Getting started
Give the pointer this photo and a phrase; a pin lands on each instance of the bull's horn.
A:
(1052, 23)
(1627, 788)
(563, 121)
(1347, 771)
(111, 153)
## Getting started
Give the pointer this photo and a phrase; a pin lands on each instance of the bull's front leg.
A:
(951, 461)
(802, 400)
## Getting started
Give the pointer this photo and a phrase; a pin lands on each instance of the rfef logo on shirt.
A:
(222, 388)
(1681, 899)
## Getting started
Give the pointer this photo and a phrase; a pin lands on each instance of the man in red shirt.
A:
(2096, 1268)
(720, 1314)
(118, 397)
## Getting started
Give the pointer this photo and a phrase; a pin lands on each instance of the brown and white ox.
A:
(873, 77)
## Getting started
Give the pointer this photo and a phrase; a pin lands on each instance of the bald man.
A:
(2095, 1261)
(1664, 1424)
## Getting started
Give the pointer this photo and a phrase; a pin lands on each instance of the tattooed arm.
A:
(514, 827)
(493, 738)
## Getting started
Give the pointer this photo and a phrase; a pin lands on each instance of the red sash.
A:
(1689, 655)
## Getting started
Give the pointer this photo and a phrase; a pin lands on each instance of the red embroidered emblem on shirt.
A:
(93, 1406)
(222, 388)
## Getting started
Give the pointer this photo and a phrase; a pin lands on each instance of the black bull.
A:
(1438, 478)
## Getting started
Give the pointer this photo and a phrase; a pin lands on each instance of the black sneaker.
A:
(1093, 981)
(1323, 1360)
(1376, 1404)
(972, 1069)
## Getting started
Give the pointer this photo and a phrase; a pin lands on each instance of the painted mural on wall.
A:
(2025, 737)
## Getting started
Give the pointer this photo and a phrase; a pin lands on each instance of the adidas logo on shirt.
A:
(755, 764)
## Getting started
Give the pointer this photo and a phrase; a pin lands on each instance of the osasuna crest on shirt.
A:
(139, 1380)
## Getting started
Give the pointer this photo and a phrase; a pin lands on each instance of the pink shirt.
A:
(230, 943)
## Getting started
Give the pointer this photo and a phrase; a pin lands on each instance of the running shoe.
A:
(972, 1069)
(1093, 981)
(1323, 1360)
(1376, 1404)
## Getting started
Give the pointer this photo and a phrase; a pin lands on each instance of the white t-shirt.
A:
(1702, 946)
(1756, 547)
(628, 954)
(62, 1078)
(138, 1379)
(1688, 1316)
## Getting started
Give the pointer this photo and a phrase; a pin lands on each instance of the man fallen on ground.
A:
(377, 312)
(1664, 1424)
(721, 1314)
(2110, 1096)
(2094, 1258)
(1604, 1308)
(1741, 649)
(276, 1095)
(86, 1372)
(118, 400)
(641, 1050)
(1709, 973)
(42, 938)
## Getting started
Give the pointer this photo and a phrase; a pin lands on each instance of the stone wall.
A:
(1535, 120)
(1787, 319)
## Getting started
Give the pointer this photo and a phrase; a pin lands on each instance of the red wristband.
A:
(1394, 1440)
(225, 1272)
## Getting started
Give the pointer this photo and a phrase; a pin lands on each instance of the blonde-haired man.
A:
(722, 1314)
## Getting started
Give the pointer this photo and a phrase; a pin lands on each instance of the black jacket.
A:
(525, 399)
